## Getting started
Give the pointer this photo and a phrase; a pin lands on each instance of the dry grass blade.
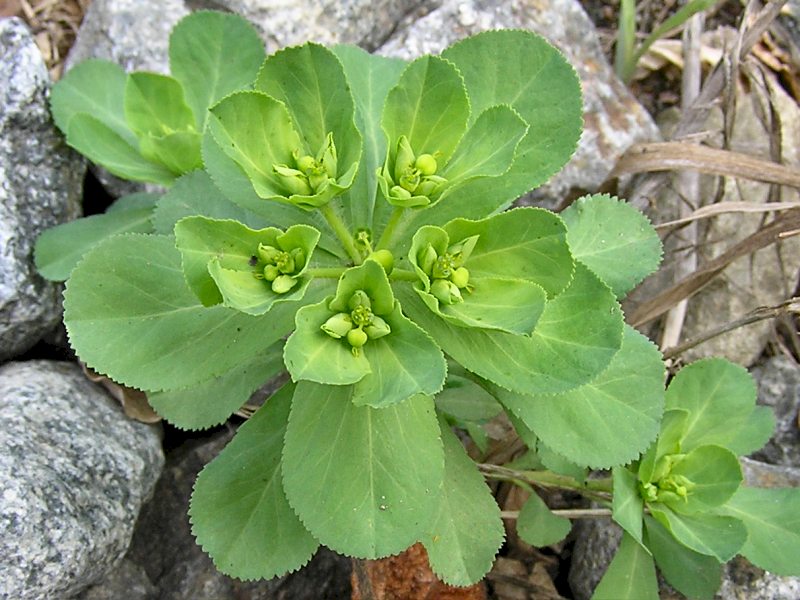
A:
(789, 307)
(668, 156)
(692, 284)
(694, 119)
(722, 208)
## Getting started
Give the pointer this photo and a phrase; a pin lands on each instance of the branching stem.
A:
(391, 226)
(341, 231)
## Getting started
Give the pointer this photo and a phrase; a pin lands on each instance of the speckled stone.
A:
(74, 472)
(779, 388)
(614, 119)
(366, 23)
(40, 186)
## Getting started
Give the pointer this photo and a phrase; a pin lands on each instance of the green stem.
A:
(388, 232)
(326, 272)
(404, 275)
(548, 479)
(341, 231)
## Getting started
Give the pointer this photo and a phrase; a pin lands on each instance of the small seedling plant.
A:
(342, 216)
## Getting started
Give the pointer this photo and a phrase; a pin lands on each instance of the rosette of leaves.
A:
(683, 506)
(285, 254)
(148, 126)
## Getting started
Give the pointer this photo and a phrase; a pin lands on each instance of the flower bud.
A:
(446, 292)
(377, 329)
(293, 180)
(306, 163)
(328, 158)
(426, 164)
(460, 277)
(285, 263)
(384, 258)
(338, 326)
(359, 298)
(357, 338)
(427, 258)
(283, 283)
(399, 192)
(427, 187)
(409, 180)
(299, 258)
(268, 253)
(405, 158)
(271, 272)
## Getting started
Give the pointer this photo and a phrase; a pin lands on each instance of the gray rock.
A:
(366, 23)
(614, 119)
(40, 186)
(164, 547)
(74, 472)
(596, 544)
(127, 580)
(779, 388)
(744, 581)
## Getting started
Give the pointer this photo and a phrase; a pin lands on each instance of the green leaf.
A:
(465, 400)
(238, 511)
(627, 504)
(404, 363)
(467, 531)
(155, 105)
(257, 132)
(200, 49)
(601, 424)
(524, 243)
(691, 573)
(370, 78)
(365, 481)
(510, 305)
(488, 147)
(547, 96)
(616, 241)
(555, 462)
(756, 433)
(130, 315)
(713, 535)
(59, 249)
(211, 402)
(539, 527)
(720, 398)
(429, 105)
(715, 473)
(135, 201)
(195, 194)
(179, 151)
(94, 88)
(311, 354)
(322, 104)
(630, 576)
(102, 145)
(772, 518)
(576, 337)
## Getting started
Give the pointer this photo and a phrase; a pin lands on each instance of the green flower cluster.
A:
(310, 175)
(446, 271)
(358, 324)
(281, 268)
(414, 177)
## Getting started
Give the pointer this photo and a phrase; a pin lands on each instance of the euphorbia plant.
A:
(348, 228)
